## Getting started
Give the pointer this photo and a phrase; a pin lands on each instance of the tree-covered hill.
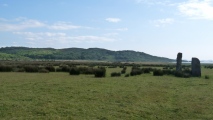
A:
(96, 54)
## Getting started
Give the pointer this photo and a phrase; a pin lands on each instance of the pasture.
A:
(58, 95)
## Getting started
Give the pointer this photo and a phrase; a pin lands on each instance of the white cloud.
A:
(156, 2)
(122, 29)
(163, 22)
(63, 26)
(91, 39)
(25, 24)
(59, 38)
(22, 23)
(114, 20)
(197, 9)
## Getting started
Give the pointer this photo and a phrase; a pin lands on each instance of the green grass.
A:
(61, 96)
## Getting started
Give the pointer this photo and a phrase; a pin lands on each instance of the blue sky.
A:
(157, 27)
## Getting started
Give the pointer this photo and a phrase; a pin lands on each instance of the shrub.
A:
(115, 74)
(5, 68)
(168, 72)
(65, 68)
(123, 71)
(43, 70)
(50, 68)
(100, 72)
(74, 71)
(31, 69)
(207, 77)
(127, 75)
(178, 74)
(158, 73)
(146, 70)
(135, 71)
(59, 69)
(86, 70)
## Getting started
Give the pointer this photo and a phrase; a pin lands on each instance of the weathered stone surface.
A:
(179, 62)
(196, 69)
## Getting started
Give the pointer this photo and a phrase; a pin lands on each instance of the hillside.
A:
(96, 54)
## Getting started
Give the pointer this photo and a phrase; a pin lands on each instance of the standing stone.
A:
(196, 69)
(179, 62)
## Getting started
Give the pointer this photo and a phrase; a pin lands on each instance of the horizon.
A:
(203, 61)
(159, 28)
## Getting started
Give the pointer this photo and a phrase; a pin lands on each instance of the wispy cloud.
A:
(156, 2)
(25, 24)
(122, 29)
(60, 38)
(197, 9)
(114, 20)
(22, 23)
(63, 26)
(162, 22)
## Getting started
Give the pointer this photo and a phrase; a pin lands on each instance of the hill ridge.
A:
(96, 54)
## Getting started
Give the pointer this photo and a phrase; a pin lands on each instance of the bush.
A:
(123, 71)
(100, 72)
(31, 69)
(136, 71)
(5, 68)
(207, 77)
(59, 69)
(146, 70)
(168, 72)
(184, 74)
(115, 74)
(50, 68)
(43, 71)
(74, 71)
(127, 75)
(86, 70)
(158, 73)
(65, 68)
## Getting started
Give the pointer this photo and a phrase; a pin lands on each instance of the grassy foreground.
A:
(61, 96)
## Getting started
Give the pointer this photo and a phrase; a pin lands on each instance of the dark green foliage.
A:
(136, 71)
(24, 53)
(147, 70)
(100, 72)
(115, 74)
(31, 69)
(127, 75)
(50, 68)
(6, 68)
(74, 71)
(184, 74)
(86, 70)
(43, 70)
(65, 68)
(168, 72)
(158, 73)
(123, 71)
(207, 77)
(59, 69)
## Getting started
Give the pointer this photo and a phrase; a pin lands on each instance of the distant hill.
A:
(96, 54)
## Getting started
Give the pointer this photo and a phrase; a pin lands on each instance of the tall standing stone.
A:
(179, 62)
(196, 69)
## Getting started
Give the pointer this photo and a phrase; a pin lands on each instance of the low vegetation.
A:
(85, 90)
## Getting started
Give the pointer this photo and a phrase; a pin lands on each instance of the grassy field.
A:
(25, 96)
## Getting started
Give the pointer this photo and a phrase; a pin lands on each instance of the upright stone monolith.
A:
(179, 62)
(196, 69)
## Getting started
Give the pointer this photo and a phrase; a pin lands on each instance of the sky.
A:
(157, 27)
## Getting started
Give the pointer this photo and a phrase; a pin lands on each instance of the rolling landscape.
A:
(106, 60)
(95, 54)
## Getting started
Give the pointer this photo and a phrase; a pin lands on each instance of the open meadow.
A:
(59, 95)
